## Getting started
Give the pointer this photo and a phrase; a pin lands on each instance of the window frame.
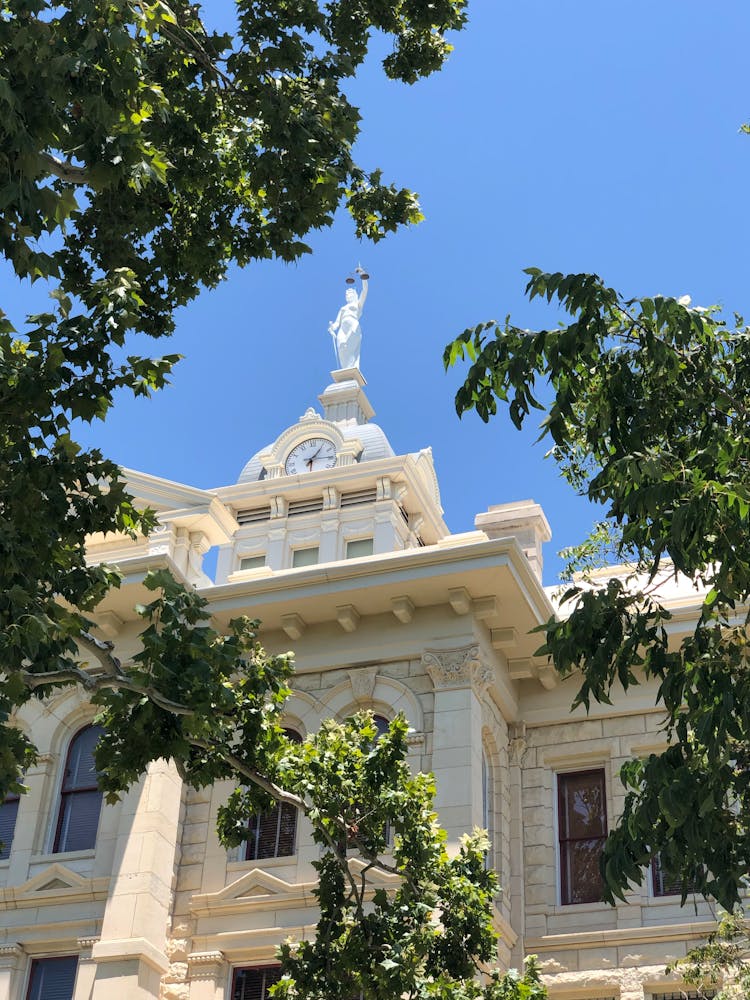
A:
(564, 890)
(357, 541)
(657, 872)
(12, 798)
(281, 809)
(68, 794)
(36, 962)
(305, 548)
(238, 969)
(258, 558)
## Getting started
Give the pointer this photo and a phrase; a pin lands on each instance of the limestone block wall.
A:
(614, 951)
(231, 912)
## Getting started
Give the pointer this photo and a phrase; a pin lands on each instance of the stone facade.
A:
(430, 624)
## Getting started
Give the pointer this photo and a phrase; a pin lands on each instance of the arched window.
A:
(80, 797)
(381, 724)
(273, 834)
(488, 808)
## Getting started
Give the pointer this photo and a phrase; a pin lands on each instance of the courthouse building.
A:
(339, 546)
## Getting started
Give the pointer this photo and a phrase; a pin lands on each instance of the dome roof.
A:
(375, 445)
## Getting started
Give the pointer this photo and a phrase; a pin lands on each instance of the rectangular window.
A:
(305, 557)
(52, 978)
(358, 547)
(252, 562)
(272, 834)
(253, 984)
(664, 882)
(582, 829)
(685, 995)
(8, 813)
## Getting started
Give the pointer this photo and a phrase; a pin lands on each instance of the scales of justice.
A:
(345, 329)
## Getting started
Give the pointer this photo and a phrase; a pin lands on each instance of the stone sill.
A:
(61, 858)
(247, 865)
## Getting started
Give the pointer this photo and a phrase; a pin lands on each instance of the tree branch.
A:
(257, 779)
(103, 652)
(71, 674)
(64, 170)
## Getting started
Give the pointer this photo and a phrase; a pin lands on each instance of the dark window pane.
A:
(80, 769)
(381, 724)
(53, 978)
(8, 813)
(582, 821)
(666, 883)
(80, 800)
(79, 821)
(274, 834)
(583, 811)
(252, 984)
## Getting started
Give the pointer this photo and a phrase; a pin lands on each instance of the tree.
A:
(722, 960)
(648, 414)
(147, 156)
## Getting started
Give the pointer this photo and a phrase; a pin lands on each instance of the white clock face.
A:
(310, 456)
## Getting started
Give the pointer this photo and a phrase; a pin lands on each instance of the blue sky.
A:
(569, 136)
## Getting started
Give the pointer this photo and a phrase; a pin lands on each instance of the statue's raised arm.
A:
(345, 329)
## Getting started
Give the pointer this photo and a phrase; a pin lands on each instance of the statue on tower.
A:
(345, 329)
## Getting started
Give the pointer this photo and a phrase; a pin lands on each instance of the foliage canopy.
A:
(647, 409)
(140, 155)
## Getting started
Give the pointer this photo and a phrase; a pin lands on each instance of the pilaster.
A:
(132, 948)
(207, 971)
(459, 676)
(516, 889)
(12, 962)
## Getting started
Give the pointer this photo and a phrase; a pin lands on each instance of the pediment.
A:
(259, 889)
(53, 883)
(255, 889)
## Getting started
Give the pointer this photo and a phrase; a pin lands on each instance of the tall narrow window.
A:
(273, 834)
(52, 978)
(80, 797)
(253, 983)
(582, 822)
(8, 813)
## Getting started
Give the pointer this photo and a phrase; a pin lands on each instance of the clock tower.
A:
(330, 488)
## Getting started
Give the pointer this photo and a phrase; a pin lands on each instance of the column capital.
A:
(457, 668)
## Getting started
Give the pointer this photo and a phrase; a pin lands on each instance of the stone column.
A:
(11, 971)
(131, 954)
(459, 677)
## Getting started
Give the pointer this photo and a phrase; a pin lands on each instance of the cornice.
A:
(624, 936)
(432, 560)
